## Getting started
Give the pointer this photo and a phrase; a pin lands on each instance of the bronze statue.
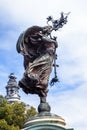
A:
(38, 49)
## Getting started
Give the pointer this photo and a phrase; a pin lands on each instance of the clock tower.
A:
(12, 93)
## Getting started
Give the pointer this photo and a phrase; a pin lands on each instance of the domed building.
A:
(12, 89)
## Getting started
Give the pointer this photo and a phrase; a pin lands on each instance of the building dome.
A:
(12, 93)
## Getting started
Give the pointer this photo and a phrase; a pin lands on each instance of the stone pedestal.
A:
(45, 120)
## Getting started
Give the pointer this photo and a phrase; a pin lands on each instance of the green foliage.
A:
(31, 112)
(19, 116)
(13, 116)
(1, 96)
(5, 126)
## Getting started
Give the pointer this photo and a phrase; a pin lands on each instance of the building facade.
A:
(12, 89)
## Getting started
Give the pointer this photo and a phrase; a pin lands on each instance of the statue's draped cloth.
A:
(38, 51)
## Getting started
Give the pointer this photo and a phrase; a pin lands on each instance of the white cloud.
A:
(71, 105)
(34, 12)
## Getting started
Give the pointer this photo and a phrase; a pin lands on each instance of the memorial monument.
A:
(38, 48)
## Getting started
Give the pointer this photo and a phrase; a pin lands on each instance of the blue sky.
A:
(70, 94)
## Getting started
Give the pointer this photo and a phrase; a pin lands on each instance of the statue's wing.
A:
(19, 45)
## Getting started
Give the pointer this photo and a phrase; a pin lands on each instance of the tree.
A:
(19, 117)
(5, 126)
(14, 115)
(31, 112)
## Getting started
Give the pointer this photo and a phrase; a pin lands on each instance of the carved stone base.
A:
(46, 121)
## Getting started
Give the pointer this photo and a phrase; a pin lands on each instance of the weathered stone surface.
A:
(45, 121)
